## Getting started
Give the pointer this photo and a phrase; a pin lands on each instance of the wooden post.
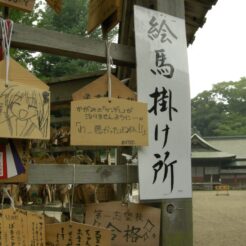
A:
(176, 228)
(5, 12)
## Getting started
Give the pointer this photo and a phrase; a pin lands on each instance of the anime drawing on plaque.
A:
(25, 113)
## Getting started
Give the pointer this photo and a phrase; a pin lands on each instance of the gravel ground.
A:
(219, 220)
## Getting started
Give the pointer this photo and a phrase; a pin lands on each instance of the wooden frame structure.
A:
(176, 213)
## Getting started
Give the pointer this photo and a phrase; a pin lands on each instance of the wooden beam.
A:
(74, 46)
(84, 174)
(172, 7)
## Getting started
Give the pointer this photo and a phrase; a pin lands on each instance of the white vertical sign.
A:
(163, 83)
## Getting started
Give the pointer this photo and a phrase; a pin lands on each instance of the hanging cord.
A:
(72, 197)
(109, 63)
(128, 185)
(2, 199)
(7, 30)
(12, 203)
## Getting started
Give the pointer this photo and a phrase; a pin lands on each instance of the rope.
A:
(126, 198)
(2, 199)
(128, 192)
(7, 30)
(12, 203)
(72, 198)
(109, 63)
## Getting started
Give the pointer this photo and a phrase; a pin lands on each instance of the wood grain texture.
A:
(84, 174)
(74, 46)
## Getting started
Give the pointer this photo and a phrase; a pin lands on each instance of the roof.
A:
(195, 12)
(195, 17)
(199, 144)
(202, 150)
(231, 144)
(212, 155)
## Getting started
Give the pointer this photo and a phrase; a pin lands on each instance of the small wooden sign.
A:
(101, 10)
(72, 233)
(99, 88)
(24, 112)
(115, 122)
(19, 74)
(25, 5)
(24, 104)
(55, 4)
(131, 224)
(21, 228)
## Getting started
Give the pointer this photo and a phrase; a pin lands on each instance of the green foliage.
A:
(221, 111)
(73, 20)
(28, 18)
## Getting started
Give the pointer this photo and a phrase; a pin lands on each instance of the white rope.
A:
(129, 187)
(7, 30)
(72, 198)
(109, 63)
(5, 190)
(2, 199)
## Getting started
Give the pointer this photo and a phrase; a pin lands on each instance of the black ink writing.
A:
(163, 30)
(165, 131)
(163, 100)
(162, 164)
(162, 68)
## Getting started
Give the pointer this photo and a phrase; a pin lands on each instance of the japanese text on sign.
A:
(71, 233)
(123, 122)
(22, 228)
(130, 225)
(162, 73)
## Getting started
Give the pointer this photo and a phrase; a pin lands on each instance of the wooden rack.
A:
(176, 226)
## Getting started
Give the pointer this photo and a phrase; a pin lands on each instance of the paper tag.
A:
(163, 83)
(114, 122)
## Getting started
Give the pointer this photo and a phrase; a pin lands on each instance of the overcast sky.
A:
(219, 50)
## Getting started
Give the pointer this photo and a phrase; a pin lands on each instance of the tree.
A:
(73, 20)
(221, 111)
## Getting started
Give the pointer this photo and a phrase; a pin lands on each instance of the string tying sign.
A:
(7, 29)
(24, 103)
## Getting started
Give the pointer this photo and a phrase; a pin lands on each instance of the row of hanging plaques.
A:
(25, 111)
(96, 118)
(106, 224)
